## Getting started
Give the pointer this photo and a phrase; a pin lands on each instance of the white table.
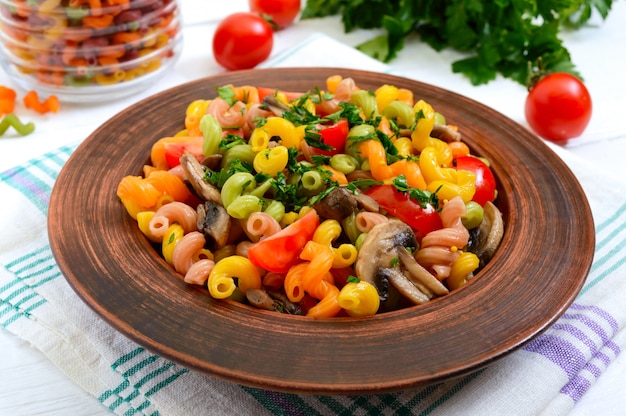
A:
(36, 386)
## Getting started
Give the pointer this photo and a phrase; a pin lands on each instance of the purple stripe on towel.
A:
(598, 311)
(572, 359)
(561, 352)
(30, 186)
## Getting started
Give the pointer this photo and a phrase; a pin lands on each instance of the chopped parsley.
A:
(420, 196)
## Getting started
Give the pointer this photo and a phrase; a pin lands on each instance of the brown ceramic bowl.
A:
(535, 275)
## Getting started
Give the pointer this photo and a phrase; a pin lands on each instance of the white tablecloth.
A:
(31, 384)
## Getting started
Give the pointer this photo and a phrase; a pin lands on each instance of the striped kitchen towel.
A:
(549, 375)
(39, 306)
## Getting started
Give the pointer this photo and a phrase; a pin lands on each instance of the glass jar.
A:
(88, 50)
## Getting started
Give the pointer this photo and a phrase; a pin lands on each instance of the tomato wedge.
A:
(485, 181)
(401, 206)
(334, 136)
(280, 251)
(173, 151)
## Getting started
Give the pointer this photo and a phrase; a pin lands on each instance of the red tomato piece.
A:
(289, 95)
(485, 181)
(173, 151)
(282, 12)
(401, 206)
(334, 136)
(242, 41)
(558, 107)
(280, 251)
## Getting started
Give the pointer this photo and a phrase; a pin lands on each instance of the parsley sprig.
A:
(500, 37)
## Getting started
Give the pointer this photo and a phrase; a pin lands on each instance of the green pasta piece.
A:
(11, 120)
(349, 227)
(261, 189)
(344, 163)
(312, 181)
(367, 101)
(212, 132)
(241, 152)
(401, 111)
(243, 206)
(235, 186)
(275, 209)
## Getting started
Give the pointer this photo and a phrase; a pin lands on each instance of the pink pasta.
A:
(229, 117)
(174, 212)
(199, 272)
(366, 220)
(186, 249)
(261, 225)
(439, 249)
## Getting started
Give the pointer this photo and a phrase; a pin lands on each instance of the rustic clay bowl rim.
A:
(535, 275)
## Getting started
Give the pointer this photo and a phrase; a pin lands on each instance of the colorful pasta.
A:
(328, 200)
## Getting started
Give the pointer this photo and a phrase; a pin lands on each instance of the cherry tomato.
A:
(401, 206)
(558, 107)
(282, 12)
(242, 41)
(334, 136)
(280, 251)
(173, 151)
(485, 181)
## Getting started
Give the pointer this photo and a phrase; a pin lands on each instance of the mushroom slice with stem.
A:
(384, 256)
(195, 172)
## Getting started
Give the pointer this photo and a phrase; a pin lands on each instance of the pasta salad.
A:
(339, 201)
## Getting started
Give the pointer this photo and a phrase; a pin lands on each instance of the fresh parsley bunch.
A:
(501, 36)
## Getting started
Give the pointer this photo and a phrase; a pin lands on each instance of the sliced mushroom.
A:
(486, 238)
(276, 107)
(337, 205)
(367, 202)
(270, 301)
(445, 133)
(213, 162)
(214, 222)
(383, 256)
(195, 172)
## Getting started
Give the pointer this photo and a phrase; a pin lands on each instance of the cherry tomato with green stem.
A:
(282, 12)
(242, 41)
(558, 107)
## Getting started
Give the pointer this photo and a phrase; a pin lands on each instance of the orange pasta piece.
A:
(321, 259)
(293, 282)
(328, 306)
(51, 104)
(98, 22)
(406, 96)
(377, 157)
(459, 149)
(336, 176)
(7, 93)
(170, 184)
(136, 189)
(333, 82)
(385, 127)
(130, 38)
(247, 94)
